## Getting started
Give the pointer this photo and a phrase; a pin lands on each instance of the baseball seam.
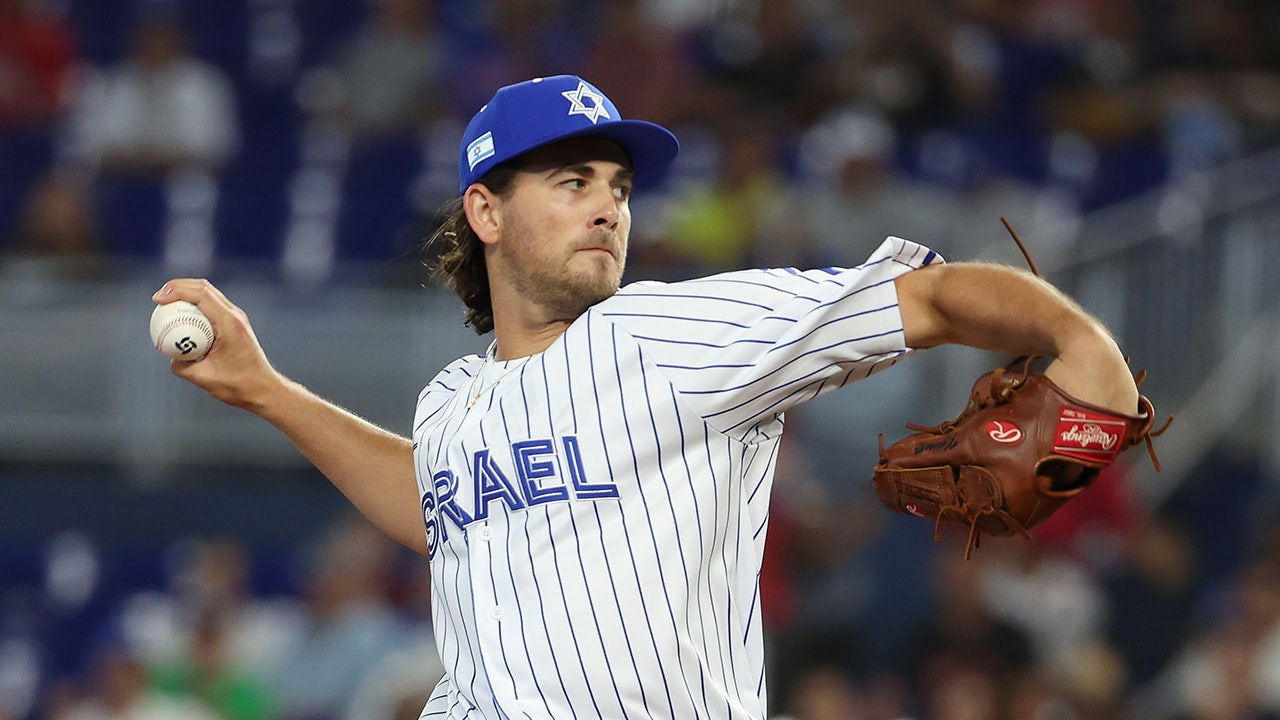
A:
(203, 326)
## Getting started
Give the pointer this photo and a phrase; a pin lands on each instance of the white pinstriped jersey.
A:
(596, 520)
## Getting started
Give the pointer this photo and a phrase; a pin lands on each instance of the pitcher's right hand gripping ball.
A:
(1019, 451)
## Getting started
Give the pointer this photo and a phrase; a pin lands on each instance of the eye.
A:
(622, 192)
(575, 183)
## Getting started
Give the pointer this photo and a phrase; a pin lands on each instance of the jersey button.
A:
(497, 612)
(485, 533)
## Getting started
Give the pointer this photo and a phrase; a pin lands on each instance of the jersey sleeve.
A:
(743, 347)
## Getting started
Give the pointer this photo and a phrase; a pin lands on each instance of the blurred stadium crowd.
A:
(313, 140)
(311, 135)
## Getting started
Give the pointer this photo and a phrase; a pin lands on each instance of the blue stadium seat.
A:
(376, 208)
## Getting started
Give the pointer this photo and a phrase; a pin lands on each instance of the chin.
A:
(598, 291)
(602, 277)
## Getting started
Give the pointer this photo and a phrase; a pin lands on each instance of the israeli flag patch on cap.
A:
(479, 149)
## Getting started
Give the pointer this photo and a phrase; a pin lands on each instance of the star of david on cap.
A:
(531, 114)
(578, 107)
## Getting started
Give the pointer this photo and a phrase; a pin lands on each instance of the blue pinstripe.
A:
(644, 383)
(644, 696)
(555, 559)
(582, 567)
(525, 644)
(626, 531)
(693, 587)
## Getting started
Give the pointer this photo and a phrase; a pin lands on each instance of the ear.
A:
(484, 212)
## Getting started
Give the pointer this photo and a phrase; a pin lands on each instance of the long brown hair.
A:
(454, 255)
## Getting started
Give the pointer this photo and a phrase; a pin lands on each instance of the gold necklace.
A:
(476, 395)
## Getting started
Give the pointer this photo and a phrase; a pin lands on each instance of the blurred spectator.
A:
(1091, 687)
(38, 55)
(891, 58)
(157, 128)
(816, 585)
(351, 623)
(117, 690)
(645, 70)
(1096, 682)
(398, 685)
(1152, 595)
(37, 52)
(1220, 524)
(1058, 606)
(1008, 64)
(500, 42)
(211, 608)
(1199, 131)
(386, 79)
(1230, 668)
(957, 657)
(766, 54)
(57, 218)
(824, 692)
(160, 109)
(956, 690)
(205, 671)
(370, 154)
(855, 196)
(745, 211)
(1215, 680)
(210, 637)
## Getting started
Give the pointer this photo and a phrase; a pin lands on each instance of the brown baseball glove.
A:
(1020, 450)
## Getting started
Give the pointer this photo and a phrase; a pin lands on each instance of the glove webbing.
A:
(974, 534)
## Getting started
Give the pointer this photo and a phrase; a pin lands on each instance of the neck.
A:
(515, 343)
(521, 327)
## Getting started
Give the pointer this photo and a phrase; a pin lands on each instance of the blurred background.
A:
(162, 556)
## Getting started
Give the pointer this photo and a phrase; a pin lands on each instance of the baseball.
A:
(181, 331)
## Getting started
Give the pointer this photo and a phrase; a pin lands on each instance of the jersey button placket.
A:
(488, 610)
(484, 533)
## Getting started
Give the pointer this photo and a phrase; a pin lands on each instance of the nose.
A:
(608, 211)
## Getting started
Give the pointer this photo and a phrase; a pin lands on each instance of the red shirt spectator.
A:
(37, 51)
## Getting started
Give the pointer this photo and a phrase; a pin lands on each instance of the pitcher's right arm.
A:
(372, 466)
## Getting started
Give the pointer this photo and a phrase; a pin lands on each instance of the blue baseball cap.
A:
(536, 112)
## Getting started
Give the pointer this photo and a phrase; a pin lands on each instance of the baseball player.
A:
(592, 493)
